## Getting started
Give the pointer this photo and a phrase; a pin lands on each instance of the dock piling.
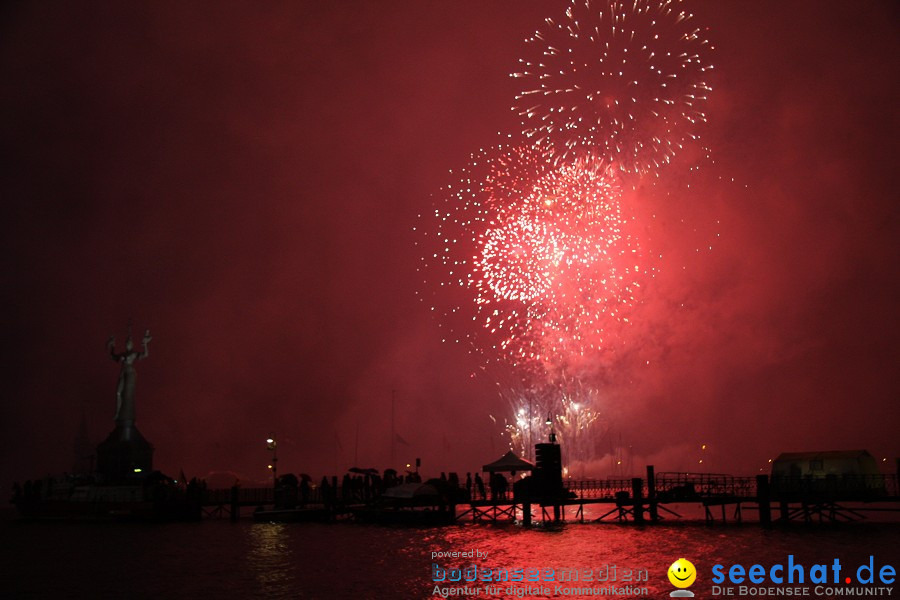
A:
(651, 494)
(637, 493)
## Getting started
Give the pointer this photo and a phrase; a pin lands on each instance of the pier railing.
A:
(704, 485)
(596, 489)
(683, 485)
(669, 487)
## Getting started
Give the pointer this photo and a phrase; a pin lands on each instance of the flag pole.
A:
(393, 430)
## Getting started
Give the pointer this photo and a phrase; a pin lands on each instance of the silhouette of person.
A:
(346, 487)
(325, 491)
(469, 485)
(479, 483)
(502, 485)
(304, 491)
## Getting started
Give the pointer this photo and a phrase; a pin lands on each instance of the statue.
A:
(127, 375)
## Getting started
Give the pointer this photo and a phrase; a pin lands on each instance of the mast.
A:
(393, 429)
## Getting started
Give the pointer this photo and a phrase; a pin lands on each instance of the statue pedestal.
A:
(124, 452)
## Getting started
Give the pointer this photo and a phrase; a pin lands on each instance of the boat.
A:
(413, 503)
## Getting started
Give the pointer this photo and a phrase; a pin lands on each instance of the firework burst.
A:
(542, 251)
(569, 408)
(625, 82)
(535, 263)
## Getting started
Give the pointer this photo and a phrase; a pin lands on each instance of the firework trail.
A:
(570, 408)
(620, 81)
(541, 249)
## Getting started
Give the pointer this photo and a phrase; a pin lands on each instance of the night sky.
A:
(243, 179)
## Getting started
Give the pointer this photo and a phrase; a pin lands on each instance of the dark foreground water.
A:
(218, 559)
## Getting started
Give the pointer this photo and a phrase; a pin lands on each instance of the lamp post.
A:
(272, 445)
(528, 453)
(575, 453)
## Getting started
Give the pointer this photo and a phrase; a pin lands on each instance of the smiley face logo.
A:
(682, 573)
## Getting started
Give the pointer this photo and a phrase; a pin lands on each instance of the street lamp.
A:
(530, 451)
(272, 446)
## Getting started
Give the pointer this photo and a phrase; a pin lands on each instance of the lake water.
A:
(219, 559)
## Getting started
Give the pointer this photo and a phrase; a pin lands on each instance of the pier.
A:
(724, 498)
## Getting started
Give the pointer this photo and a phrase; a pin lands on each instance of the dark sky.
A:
(244, 178)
